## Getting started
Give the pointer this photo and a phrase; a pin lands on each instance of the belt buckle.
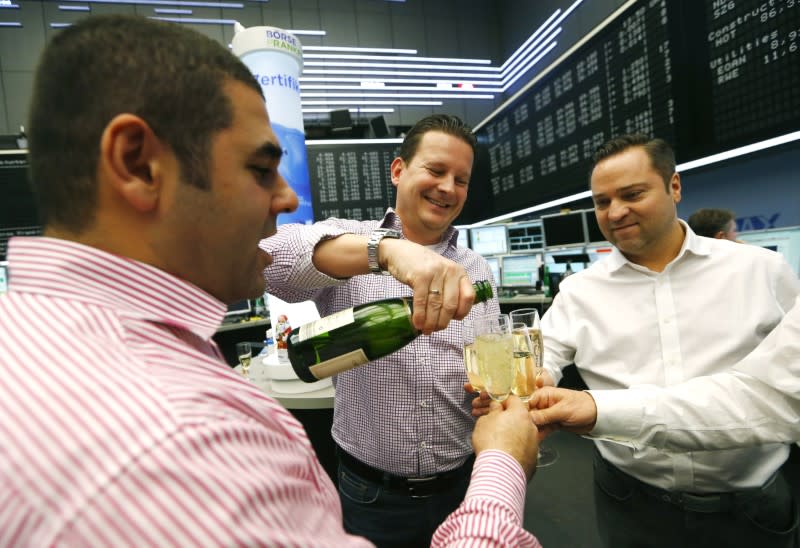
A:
(415, 483)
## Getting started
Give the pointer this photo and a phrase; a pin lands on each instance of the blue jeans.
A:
(390, 518)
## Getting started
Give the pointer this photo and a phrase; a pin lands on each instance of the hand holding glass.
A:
(529, 318)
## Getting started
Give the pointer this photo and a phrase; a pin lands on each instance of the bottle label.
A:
(339, 364)
(328, 323)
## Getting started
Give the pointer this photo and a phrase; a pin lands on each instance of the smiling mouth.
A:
(437, 202)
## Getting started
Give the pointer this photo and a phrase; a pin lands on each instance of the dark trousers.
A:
(392, 513)
(634, 514)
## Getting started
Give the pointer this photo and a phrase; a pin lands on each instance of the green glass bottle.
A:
(356, 336)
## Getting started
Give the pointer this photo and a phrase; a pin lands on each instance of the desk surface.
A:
(316, 399)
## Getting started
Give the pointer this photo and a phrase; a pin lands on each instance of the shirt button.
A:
(423, 445)
(423, 404)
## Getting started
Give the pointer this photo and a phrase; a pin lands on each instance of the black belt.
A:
(415, 487)
(703, 503)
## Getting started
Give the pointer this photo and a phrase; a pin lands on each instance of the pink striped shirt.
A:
(120, 424)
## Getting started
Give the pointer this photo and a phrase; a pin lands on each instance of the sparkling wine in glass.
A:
(525, 370)
(529, 317)
(470, 361)
(494, 349)
(245, 353)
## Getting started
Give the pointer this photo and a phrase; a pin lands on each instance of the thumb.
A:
(495, 405)
(543, 417)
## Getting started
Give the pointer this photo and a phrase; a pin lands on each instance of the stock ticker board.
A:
(351, 180)
(706, 76)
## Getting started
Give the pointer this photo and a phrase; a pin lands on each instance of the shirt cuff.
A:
(491, 465)
(620, 413)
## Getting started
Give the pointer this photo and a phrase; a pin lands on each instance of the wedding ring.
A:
(435, 292)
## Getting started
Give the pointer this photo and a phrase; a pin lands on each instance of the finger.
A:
(543, 417)
(421, 290)
(466, 297)
(495, 406)
(435, 318)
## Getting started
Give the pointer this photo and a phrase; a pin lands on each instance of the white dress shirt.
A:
(757, 402)
(625, 325)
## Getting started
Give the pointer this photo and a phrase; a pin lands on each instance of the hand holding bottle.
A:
(441, 288)
(508, 428)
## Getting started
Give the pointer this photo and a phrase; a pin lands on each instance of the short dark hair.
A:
(102, 66)
(708, 222)
(661, 154)
(446, 123)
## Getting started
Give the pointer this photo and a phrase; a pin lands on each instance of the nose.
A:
(617, 210)
(447, 184)
(284, 200)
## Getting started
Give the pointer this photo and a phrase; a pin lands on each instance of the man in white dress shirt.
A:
(667, 306)
(756, 402)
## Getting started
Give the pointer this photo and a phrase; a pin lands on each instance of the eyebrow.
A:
(624, 188)
(271, 150)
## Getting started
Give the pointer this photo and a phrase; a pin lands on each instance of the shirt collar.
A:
(392, 220)
(69, 270)
(692, 243)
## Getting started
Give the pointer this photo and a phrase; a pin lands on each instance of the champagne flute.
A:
(245, 353)
(525, 370)
(470, 360)
(529, 318)
(494, 349)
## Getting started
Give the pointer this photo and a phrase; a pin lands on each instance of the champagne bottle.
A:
(357, 335)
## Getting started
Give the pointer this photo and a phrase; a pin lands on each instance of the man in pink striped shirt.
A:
(155, 169)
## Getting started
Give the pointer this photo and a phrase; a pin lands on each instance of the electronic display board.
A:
(351, 179)
(18, 214)
(707, 76)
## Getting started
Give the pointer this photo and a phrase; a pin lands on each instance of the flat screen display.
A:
(563, 230)
(463, 237)
(592, 228)
(239, 308)
(489, 240)
(494, 265)
(520, 270)
(3, 278)
(18, 213)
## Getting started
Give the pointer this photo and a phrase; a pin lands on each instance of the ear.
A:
(675, 187)
(396, 169)
(130, 159)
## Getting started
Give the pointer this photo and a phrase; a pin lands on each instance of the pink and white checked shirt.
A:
(120, 424)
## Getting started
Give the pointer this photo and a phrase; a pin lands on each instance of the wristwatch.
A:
(372, 247)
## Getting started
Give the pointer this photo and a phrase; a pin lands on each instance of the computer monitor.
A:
(785, 241)
(494, 265)
(489, 240)
(463, 237)
(238, 309)
(3, 277)
(592, 228)
(564, 229)
(520, 270)
(18, 213)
